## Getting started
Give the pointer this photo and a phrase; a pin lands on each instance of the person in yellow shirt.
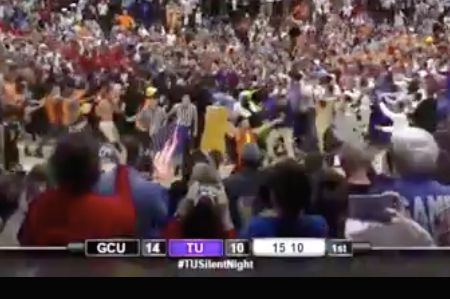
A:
(125, 20)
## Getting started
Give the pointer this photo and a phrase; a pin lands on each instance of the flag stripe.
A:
(163, 135)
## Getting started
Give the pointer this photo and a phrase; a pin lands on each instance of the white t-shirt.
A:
(102, 9)
(171, 39)
(347, 10)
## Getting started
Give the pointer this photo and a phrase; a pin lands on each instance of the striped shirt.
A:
(186, 115)
(152, 118)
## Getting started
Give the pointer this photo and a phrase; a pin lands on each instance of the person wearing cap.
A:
(414, 154)
(242, 186)
(429, 40)
(149, 118)
(149, 198)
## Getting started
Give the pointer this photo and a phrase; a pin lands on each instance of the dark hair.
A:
(314, 162)
(39, 173)
(290, 186)
(331, 201)
(133, 148)
(37, 179)
(202, 222)
(75, 163)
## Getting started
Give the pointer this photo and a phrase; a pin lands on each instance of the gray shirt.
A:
(152, 118)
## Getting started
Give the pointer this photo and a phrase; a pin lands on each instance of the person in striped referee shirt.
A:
(149, 119)
(187, 121)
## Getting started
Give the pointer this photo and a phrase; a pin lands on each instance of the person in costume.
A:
(244, 134)
(246, 106)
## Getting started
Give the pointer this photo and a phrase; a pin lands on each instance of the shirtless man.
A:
(73, 118)
(12, 100)
(106, 106)
(12, 113)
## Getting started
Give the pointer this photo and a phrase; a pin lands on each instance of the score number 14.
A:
(154, 248)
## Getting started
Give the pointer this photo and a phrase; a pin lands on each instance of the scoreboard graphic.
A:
(272, 248)
(200, 248)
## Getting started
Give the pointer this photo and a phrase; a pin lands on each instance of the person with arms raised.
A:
(72, 211)
(149, 198)
(204, 211)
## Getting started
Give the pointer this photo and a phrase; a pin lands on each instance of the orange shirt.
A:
(125, 21)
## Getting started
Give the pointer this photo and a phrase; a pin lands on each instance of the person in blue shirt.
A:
(414, 154)
(286, 194)
(149, 198)
(242, 186)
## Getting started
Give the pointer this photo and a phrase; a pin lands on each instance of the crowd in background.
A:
(271, 78)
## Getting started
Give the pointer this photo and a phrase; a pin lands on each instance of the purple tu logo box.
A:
(195, 248)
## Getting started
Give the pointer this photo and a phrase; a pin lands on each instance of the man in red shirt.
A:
(71, 211)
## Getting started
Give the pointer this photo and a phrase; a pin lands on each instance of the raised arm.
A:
(386, 129)
(172, 111)
(387, 112)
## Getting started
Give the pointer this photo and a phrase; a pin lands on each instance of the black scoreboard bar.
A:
(113, 248)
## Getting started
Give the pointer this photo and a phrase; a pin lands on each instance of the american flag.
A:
(162, 136)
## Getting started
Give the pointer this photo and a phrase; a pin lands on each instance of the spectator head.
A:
(186, 99)
(331, 201)
(37, 180)
(313, 162)
(251, 155)
(133, 149)
(150, 95)
(354, 160)
(205, 173)
(202, 205)
(413, 151)
(289, 188)
(75, 163)
(202, 221)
